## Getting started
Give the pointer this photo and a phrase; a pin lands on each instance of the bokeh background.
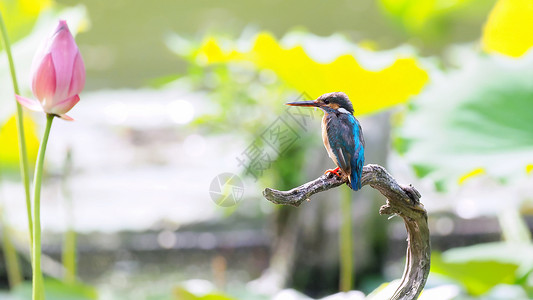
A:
(180, 94)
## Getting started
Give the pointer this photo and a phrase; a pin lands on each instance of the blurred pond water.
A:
(135, 164)
(140, 197)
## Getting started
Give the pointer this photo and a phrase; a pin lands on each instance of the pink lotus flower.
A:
(57, 73)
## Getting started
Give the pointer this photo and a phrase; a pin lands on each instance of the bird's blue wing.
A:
(346, 142)
(341, 141)
(358, 159)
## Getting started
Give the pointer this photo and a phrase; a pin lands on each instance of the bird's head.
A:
(337, 101)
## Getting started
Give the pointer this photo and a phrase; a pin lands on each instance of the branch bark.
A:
(402, 200)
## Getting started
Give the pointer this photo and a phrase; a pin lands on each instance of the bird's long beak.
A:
(304, 103)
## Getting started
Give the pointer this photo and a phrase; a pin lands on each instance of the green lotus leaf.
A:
(477, 120)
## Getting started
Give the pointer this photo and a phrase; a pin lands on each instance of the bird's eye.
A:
(326, 101)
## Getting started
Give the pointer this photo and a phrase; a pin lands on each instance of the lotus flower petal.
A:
(77, 82)
(29, 103)
(64, 52)
(63, 107)
(66, 118)
(44, 79)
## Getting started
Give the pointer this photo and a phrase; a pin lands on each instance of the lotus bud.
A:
(57, 75)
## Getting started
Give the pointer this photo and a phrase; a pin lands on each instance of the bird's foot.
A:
(334, 171)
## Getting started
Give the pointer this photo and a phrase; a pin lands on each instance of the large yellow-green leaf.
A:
(57, 290)
(477, 276)
(481, 267)
(478, 120)
(181, 293)
(21, 15)
(431, 19)
(9, 147)
(509, 27)
(340, 69)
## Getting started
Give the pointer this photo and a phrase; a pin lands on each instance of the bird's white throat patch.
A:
(343, 110)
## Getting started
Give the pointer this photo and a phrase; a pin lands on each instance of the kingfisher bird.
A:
(342, 135)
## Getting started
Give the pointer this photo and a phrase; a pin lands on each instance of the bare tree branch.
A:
(401, 200)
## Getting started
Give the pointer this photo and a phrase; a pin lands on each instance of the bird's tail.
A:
(356, 173)
(355, 181)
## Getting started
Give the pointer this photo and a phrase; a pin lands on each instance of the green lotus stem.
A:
(69, 256)
(12, 263)
(23, 153)
(14, 274)
(346, 241)
(38, 286)
(69, 242)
